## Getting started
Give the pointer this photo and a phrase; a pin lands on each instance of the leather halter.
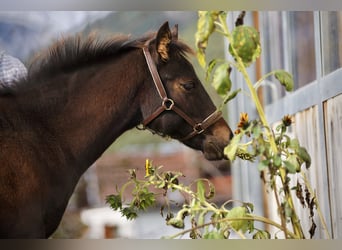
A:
(168, 104)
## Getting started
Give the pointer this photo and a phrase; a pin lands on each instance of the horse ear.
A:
(163, 40)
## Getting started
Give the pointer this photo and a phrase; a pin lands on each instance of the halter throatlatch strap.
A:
(168, 104)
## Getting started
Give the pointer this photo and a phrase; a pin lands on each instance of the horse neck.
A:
(99, 103)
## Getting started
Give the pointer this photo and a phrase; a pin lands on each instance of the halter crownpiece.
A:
(169, 104)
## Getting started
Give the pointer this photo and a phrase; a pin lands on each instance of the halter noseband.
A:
(169, 104)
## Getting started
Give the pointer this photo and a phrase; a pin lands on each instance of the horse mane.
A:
(73, 52)
(70, 53)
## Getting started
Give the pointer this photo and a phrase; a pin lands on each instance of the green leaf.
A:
(176, 222)
(231, 96)
(231, 149)
(221, 80)
(287, 140)
(114, 201)
(200, 191)
(214, 235)
(285, 79)
(294, 144)
(144, 199)
(263, 165)
(246, 42)
(291, 164)
(129, 212)
(256, 130)
(201, 218)
(239, 212)
(277, 160)
(304, 155)
(210, 68)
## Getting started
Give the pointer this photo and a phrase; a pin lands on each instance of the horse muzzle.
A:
(213, 149)
(216, 140)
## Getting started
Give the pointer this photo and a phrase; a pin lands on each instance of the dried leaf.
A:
(312, 228)
(205, 27)
(299, 194)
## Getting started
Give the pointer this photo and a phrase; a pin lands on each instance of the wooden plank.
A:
(333, 128)
(308, 132)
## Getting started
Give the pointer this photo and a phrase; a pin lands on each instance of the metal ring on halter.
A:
(168, 103)
(140, 127)
(198, 128)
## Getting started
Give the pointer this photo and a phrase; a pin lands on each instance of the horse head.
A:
(178, 105)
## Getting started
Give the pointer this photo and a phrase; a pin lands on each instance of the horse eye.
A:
(188, 85)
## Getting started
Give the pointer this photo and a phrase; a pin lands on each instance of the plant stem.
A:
(259, 82)
(251, 218)
(249, 83)
(272, 223)
(281, 212)
(193, 195)
(269, 134)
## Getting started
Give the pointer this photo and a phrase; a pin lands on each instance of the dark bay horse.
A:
(79, 96)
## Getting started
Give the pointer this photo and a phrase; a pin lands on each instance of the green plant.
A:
(196, 207)
(279, 156)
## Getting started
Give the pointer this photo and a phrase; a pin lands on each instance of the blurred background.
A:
(23, 34)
